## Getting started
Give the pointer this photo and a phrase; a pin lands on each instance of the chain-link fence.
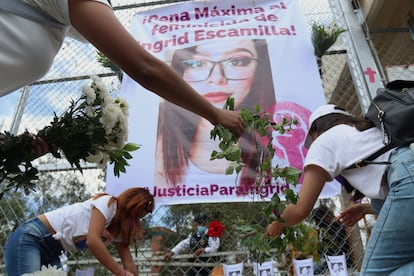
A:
(59, 184)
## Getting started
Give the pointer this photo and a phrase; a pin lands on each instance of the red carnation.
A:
(216, 229)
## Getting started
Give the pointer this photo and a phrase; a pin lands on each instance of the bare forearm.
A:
(123, 252)
(108, 35)
(292, 215)
(102, 254)
(164, 82)
(367, 208)
(144, 68)
(126, 257)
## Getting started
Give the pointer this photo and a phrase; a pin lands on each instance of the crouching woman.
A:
(91, 224)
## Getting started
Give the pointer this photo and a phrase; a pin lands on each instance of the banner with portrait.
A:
(257, 52)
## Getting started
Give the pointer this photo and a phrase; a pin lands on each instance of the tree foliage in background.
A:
(180, 218)
(13, 207)
(53, 190)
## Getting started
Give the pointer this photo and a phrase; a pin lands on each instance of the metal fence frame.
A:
(343, 83)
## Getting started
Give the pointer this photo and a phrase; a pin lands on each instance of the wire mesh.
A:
(60, 184)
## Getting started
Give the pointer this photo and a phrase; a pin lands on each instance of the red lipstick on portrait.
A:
(216, 97)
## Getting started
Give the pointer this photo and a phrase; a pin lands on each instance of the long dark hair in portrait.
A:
(177, 127)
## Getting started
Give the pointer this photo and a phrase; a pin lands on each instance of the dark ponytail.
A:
(324, 123)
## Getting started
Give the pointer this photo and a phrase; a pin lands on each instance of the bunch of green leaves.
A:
(228, 146)
(258, 123)
(73, 135)
(253, 235)
(102, 59)
(68, 136)
(323, 38)
(77, 135)
(261, 247)
(16, 169)
(119, 158)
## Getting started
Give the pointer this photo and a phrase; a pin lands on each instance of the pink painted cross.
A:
(370, 73)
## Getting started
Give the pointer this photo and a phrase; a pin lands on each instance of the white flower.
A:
(95, 123)
(123, 127)
(101, 90)
(95, 158)
(100, 159)
(112, 114)
(124, 106)
(47, 271)
(114, 144)
(89, 111)
(90, 94)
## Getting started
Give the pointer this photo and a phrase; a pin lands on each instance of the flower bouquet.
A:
(216, 229)
(93, 129)
(48, 271)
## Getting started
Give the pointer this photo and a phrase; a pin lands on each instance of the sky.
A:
(8, 104)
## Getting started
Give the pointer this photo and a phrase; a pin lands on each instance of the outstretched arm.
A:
(213, 246)
(99, 25)
(98, 248)
(313, 182)
(182, 245)
(126, 257)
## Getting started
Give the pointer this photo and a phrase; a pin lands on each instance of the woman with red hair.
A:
(91, 224)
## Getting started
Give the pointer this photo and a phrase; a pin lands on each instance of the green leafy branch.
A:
(119, 157)
(259, 123)
(77, 135)
(92, 129)
(253, 235)
(16, 155)
(323, 38)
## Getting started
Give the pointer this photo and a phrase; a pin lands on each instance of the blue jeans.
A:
(30, 247)
(390, 249)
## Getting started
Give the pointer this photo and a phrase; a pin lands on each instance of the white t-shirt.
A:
(341, 146)
(71, 222)
(212, 247)
(27, 48)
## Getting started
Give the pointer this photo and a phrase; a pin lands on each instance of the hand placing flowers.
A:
(93, 129)
(255, 236)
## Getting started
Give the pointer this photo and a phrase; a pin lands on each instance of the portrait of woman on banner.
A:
(239, 69)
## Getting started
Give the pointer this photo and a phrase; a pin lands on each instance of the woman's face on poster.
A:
(222, 69)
